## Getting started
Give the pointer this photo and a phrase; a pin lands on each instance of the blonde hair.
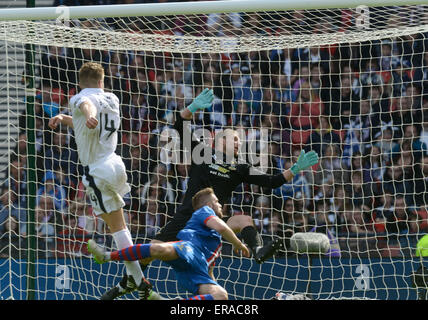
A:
(201, 198)
(90, 74)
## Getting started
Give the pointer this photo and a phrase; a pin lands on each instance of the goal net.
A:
(348, 83)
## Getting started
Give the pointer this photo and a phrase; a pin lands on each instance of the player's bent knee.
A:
(157, 250)
(155, 241)
(238, 222)
(220, 294)
(163, 251)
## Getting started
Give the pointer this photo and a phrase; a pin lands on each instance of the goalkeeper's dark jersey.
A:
(223, 178)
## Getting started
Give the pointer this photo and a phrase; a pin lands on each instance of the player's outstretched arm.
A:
(90, 112)
(60, 119)
(221, 227)
(202, 101)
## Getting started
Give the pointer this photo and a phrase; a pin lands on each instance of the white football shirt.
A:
(98, 143)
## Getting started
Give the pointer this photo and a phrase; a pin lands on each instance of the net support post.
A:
(31, 165)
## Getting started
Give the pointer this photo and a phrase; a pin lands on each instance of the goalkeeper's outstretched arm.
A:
(304, 161)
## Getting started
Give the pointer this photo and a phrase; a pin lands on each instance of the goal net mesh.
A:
(350, 84)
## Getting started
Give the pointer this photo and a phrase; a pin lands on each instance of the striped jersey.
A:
(99, 143)
(206, 239)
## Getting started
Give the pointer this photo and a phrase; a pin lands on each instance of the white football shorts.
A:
(105, 182)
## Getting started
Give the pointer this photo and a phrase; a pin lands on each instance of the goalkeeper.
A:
(192, 256)
(223, 178)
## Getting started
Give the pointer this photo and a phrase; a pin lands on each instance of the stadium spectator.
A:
(215, 115)
(402, 222)
(53, 65)
(21, 147)
(362, 118)
(135, 116)
(180, 180)
(341, 105)
(421, 182)
(292, 215)
(270, 103)
(11, 240)
(10, 207)
(322, 137)
(153, 215)
(396, 181)
(45, 225)
(72, 238)
(412, 133)
(424, 127)
(251, 92)
(275, 227)
(355, 220)
(301, 75)
(322, 218)
(288, 66)
(137, 171)
(358, 191)
(53, 189)
(243, 199)
(388, 58)
(242, 116)
(401, 77)
(421, 75)
(60, 156)
(373, 164)
(408, 109)
(338, 204)
(306, 110)
(386, 143)
(16, 181)
(386, 206)
(370, 76)
(83, 213)
(317, 79)
(330, 171)
(314, 56)
(159, 181)
(352, 144)
(262, 213)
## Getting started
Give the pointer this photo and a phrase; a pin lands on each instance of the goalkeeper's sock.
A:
(143, 266)
(201, 297)
(123, 240)
(251, 238)
(132, 253)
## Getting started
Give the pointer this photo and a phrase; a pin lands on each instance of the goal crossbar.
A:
(202, 7)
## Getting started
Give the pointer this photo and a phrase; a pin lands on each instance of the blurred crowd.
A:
(362, 107)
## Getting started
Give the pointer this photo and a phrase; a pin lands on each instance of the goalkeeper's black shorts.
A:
(174, 226)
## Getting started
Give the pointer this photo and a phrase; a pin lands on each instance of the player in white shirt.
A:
(95, 120)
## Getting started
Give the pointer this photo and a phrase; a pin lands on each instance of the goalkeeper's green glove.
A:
(202, 101)
(304, 161)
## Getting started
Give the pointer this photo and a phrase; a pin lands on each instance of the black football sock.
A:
(251, 238)
(143, 266)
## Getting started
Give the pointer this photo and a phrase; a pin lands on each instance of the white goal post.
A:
(348, 79)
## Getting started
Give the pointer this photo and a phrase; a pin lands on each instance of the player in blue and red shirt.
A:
(193, 256)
